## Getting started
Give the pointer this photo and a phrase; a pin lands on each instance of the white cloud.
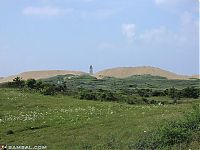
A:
(80, 14)
(46, 11)
(129, 31)
(161, 35)
(187, 35)
(189, 26)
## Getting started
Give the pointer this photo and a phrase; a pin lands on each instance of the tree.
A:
(48, 89)
(190, 92)
(18, 82)
(158, 93)
(39, 85)
(31, 83)
(108, 95)
(174, 94)
(144, 92)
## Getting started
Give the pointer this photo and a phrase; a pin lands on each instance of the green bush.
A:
(158, 93)
(101, 95)
(190, 92)
(39, 85)
(144, 92)
(48, 90)
(135, 100)
(172, 133)
(132, 101)
(31, 83)
(107, 96)
(87, 94)
(17, 83)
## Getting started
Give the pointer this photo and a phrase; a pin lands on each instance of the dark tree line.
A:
(189, 92)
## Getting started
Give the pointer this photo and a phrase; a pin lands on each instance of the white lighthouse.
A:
(91, 70)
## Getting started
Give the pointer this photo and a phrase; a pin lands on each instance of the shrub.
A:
(61, 88)
(171, 133)
(87, 94)
(172, 92)
(135, 100)
(190, 92)
(48, 90)
(17, 82)
(158, 93)
(153, 102)
(144, 92)
(145, 100)
(99, 94)
(39, 85)
(132, 101)
(108, 96)
(31, 83)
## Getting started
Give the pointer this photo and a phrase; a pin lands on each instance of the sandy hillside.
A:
(40, 74)
(123, 72)
(120, 72)
(196, 76)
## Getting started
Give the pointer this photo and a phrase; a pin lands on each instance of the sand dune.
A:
(196, 76)
(120, 72)
(123, 72)
(40, 74)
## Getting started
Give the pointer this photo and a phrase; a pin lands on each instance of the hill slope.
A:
(40, 74)
(123, 72)
(196, 76)
(120, 72)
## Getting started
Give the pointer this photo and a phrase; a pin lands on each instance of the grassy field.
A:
(62, 122)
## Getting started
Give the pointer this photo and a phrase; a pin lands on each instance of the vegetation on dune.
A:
(173, 134)
(90, 88)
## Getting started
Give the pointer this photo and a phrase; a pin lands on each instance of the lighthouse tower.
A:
(91, 70)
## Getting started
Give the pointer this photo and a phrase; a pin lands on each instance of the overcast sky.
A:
(72, 34)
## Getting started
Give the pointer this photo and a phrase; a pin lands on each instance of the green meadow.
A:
(63, 122)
